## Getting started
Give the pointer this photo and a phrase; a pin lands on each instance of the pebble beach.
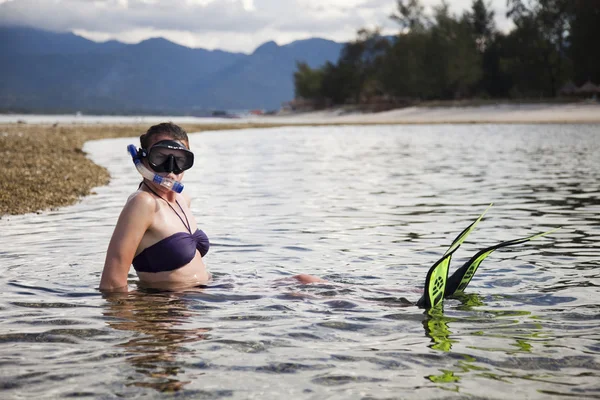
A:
(45, 166)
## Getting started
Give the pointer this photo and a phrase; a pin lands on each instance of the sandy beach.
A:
(45, 166)
(495, 114)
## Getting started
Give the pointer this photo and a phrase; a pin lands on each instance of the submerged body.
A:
(156, 231)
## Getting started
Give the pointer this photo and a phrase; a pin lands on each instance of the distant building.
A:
(299, 104)
(585, 90)
(588, 88)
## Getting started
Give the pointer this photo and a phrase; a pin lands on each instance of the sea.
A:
(367, 208)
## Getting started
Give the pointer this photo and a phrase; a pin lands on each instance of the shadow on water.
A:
(158, 321)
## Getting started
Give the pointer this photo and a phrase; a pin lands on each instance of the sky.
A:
(232, 25)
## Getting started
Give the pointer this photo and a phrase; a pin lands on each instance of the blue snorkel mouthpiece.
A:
(167, 183)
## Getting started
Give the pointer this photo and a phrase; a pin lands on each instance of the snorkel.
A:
(167, 183)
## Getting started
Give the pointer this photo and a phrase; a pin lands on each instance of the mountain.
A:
(264, 79)
(61, 72)
(32, 41)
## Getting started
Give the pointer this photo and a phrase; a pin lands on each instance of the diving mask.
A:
(167, 183)
(168, 156)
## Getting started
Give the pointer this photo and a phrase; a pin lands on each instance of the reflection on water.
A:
(436, 328)
(368, 208)
(158, 318)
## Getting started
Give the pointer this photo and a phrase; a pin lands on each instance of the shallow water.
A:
(368, 208)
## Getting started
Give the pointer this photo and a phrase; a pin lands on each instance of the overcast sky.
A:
(233, 25)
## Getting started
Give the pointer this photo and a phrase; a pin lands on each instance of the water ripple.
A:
(369, 209)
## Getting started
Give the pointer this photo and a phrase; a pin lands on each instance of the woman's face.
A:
(160, 155)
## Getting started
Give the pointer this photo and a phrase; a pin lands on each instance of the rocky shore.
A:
(44, 166)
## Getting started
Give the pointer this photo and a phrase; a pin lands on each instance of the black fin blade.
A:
(435, 283)
(461, 278)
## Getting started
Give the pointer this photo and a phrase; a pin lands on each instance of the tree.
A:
(307, 81)
(411, 15)
(404, 71)
(552, 20)
(338, 83)
(447, 56)
(583, 38)
(526, 58)
(457, 61)
(361, 61)
(482, 22)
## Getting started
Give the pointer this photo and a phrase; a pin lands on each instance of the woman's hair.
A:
(175, 132)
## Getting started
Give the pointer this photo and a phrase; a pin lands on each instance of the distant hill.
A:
(61, 72)
(32, 41)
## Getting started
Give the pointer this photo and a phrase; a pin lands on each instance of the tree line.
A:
(442, 56)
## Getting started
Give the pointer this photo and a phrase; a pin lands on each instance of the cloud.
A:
(118, 16)
(238, 25)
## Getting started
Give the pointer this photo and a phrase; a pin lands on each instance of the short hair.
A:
(170, 129)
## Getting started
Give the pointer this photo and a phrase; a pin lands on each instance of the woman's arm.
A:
(135, 219)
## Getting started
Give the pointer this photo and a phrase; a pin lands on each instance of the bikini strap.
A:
(187, 226)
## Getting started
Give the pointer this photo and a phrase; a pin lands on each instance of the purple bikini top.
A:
(172, 252)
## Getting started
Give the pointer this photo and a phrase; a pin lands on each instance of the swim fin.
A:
(463, 235)
(460, 279)
(435, 281)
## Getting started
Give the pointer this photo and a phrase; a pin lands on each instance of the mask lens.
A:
(157, 157)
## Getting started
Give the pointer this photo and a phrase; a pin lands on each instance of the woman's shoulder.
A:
(142, 201)
(138, 212)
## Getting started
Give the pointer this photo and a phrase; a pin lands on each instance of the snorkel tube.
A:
(146, 173)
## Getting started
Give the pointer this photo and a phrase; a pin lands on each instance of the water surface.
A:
(369, 209)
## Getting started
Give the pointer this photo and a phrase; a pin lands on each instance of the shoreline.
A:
(500, 113)
(45, 165)
(544, 113)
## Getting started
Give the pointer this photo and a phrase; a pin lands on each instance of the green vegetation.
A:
(441, 56)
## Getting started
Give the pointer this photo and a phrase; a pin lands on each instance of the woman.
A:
(156, 231)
